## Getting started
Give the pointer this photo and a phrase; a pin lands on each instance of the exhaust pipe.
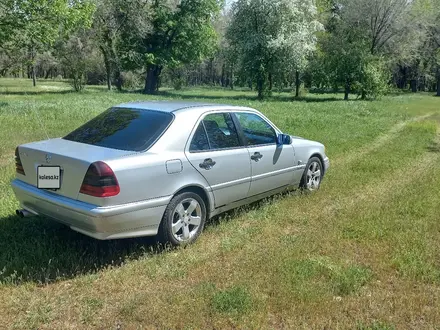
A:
(23, 213)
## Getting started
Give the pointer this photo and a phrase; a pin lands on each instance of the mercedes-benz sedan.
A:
(161, 168)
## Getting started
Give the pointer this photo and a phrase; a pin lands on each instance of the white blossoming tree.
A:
(272, 38)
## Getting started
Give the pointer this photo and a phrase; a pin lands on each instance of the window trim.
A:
(276, 131)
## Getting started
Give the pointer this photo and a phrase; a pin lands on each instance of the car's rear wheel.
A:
(183, 220)
(312, 176)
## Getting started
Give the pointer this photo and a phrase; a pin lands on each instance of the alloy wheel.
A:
(187, 217)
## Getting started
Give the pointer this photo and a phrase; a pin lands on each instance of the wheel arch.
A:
(318, 155)
(199, 191)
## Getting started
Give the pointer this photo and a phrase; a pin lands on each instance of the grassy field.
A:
(361, 253)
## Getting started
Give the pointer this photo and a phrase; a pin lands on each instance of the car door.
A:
(272, 165)
(217, 151)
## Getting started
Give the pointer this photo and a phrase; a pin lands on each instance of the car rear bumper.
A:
(121, 221)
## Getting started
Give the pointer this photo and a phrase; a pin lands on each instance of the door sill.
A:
(251, 199)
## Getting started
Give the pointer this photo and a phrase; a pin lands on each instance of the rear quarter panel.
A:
(151, 175)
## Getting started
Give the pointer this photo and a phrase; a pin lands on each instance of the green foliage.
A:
(343, 56)
(36, 25)
(41, 22)
(76, 54)
(179, 34)
(375, 79)
(111, 19)
(131, 80)
(178, 83)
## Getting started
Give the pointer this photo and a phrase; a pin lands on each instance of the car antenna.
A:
(39, 120)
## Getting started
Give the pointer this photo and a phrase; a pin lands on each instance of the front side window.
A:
(256, 130)
(215, 131)
(123, 128)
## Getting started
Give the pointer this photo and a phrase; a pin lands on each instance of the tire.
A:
(312, 176)
(183, 220)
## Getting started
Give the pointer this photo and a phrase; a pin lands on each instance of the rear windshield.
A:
(123, 128)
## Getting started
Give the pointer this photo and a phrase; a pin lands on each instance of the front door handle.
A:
(207, 164)
(256, 156)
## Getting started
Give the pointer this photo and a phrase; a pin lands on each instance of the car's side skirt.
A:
(251, 199)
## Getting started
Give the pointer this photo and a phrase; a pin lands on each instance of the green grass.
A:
(360, 253)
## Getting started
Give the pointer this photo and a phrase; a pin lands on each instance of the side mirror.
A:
(283, 139)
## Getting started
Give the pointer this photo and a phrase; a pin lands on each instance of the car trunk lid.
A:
(73, 158)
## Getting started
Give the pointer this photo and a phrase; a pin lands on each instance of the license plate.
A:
(48, 177)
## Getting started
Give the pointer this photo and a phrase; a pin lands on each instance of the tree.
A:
(415, 49)
(272, 34)
(76, 55)
(380, 20)
(345, 56)
(361, 34)
(36, 24)
(434, 39)
(181, 33)
(111, 18)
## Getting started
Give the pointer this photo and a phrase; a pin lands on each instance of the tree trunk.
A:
(347, 89)
(413, 83)
(363, 95)
(403, 79)
(422, 84)
(108, 73)
(212, 72)
(48, 72)
(108, 68)
(33, 73)
(152, 79)
(232, 76)
(270, 82)
(223, 75)
(34, 79)
(297, 83)
(260, 88)
(118, 80)
(438, 85)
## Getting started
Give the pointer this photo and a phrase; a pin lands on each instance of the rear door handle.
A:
(207, 164)
(256, 156)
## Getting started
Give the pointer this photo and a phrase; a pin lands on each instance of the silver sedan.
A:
(161, 168)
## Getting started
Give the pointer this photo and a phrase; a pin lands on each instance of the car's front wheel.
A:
(312, 176)
(183, 220)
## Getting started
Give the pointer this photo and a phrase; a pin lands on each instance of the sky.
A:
(228, 3)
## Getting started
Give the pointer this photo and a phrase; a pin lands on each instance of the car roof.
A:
(177, 106)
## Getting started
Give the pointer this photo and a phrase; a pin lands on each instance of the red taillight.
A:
(100, 181)
(18, 165)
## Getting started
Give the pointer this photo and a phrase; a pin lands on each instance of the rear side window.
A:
(199, 141)
(123, 128)
(216, 131)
